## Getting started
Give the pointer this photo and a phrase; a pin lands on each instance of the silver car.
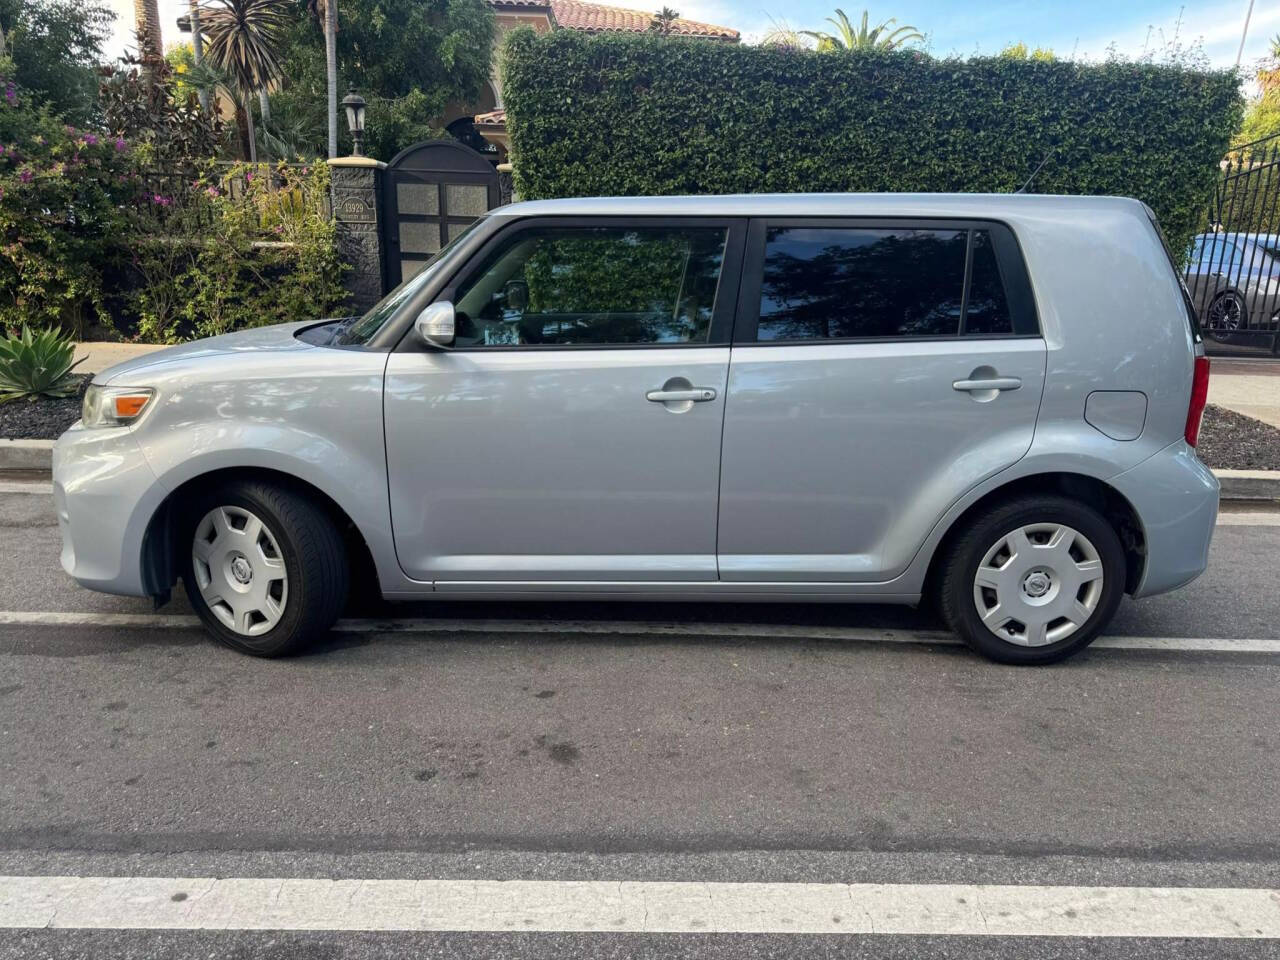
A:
(988, 401)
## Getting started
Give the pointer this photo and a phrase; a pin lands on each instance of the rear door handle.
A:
(694, 394)
(993, 383)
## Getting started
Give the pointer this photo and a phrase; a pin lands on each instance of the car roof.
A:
(968, 205)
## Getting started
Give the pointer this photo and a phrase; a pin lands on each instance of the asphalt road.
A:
(637, 757)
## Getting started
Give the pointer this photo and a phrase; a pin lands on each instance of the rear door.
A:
(879, 370)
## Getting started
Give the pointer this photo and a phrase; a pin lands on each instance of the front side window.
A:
(594, 286)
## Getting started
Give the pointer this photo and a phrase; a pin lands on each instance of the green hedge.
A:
(634, 114)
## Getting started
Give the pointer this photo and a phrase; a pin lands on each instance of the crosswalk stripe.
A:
(193, 903)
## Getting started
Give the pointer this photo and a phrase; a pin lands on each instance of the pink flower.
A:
(25, 176)
(91, 139)
(248, 178)
(121, 146)
(10, 94)
(213, 192)
(161, 200)
(279, 228)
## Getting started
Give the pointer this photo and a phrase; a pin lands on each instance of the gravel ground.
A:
(42, 419)
(1232, 441)
(1228, 440)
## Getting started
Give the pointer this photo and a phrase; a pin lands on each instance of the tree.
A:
(884, 36)
(663, 21)
(1262, 117)
(56, 47)
(409, 59)
(146, 21)
(245, 39)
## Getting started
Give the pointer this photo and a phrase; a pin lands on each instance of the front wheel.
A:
(265, 567)
(1034, 580)
(1226, 316)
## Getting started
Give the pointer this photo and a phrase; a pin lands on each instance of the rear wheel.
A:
(1033, 581)
(265, 567)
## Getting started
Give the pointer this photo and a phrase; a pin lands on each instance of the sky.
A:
(1083, 28)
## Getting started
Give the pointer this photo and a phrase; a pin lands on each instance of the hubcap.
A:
(1038, 584)
(239, 570)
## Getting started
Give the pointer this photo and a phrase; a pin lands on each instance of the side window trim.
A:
(726, 292)
(1010, 261)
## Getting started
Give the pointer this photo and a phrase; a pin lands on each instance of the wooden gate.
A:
(433, 190)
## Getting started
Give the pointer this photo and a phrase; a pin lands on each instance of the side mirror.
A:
(435, 325)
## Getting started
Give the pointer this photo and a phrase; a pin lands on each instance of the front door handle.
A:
(991, 383)
(690, 394)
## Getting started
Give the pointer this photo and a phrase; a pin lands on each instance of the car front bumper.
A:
(105, 494)
(1176, 498)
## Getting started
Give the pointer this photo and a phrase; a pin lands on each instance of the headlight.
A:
(114, 406)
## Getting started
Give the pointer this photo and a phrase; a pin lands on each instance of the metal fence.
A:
(1233, 269)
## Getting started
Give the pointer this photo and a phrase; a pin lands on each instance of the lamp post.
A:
(354, 104)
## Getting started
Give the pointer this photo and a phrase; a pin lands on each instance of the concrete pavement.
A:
(1249, 387)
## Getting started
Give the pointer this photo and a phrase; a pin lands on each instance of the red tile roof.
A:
(598, 18)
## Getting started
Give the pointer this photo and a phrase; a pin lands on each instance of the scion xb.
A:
(990, 402)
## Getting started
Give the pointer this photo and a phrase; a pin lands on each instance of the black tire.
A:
(1226, 316)
(314, 556)
(955, 589)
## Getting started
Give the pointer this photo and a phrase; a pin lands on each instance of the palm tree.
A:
(663, 21)
(326, 11)
(197, 47)
(1269, 68)
(244, 40)
(884, 36)
(146, 21)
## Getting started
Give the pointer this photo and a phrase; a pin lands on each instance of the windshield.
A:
(363, 329)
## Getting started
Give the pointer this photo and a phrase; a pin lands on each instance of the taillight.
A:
(1199, 397)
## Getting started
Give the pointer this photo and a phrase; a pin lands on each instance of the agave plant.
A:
(35, 365)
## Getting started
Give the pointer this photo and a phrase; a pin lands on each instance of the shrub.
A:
(632, 114)
(34, 365)
(237, 247)
(61, 195)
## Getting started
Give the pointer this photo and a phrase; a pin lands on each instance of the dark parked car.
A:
(1234, 279)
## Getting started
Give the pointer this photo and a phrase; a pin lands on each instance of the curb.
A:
(26, 455)
(37, 455)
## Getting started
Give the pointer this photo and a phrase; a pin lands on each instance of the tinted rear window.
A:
(853, 282)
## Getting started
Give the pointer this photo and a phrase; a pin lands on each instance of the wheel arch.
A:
(161, 546)
(1098, 494)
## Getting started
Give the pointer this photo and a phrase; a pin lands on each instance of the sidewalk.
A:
(1251, 388)
(100, 355)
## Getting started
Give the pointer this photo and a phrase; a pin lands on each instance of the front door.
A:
(879, 371)
(573, 434)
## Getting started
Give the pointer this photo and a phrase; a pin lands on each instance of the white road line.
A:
(178, 903)
(645, 628)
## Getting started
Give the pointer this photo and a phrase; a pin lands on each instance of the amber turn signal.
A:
(130, 405)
